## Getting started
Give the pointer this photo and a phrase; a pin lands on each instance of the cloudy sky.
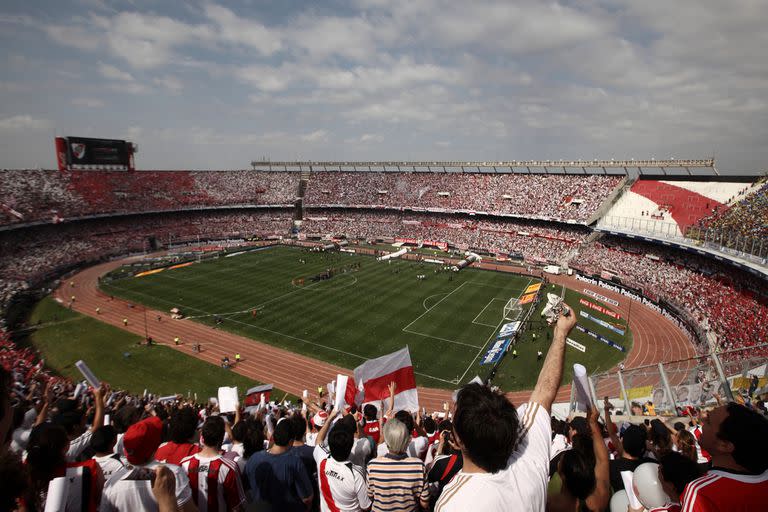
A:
(201, 84)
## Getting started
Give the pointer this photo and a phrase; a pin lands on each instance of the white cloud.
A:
(23, 123)
(88, 102)
(79, 37)
(171, 83)
(234, 29)
(315, 136)
(371, 137)
(111, 72)
(264, 78)
(321, 37)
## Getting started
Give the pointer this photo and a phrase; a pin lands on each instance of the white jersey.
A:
(128, 489)
(78, 445)
(342, 484)
(361, 450)
(109, 464)
(521, 486)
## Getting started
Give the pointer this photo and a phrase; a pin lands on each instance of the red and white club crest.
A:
(78, 150)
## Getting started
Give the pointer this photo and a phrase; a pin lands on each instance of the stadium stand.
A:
(536, 241)
(747, 218)
(557, 197)
(715, 456)
(29, 255)
(669, 207)
(725, 301)
(48, 196)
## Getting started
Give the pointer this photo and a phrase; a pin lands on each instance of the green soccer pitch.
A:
(448, 319)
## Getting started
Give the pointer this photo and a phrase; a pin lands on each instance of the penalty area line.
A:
(493, 333)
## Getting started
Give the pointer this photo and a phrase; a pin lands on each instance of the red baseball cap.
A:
(142, 439)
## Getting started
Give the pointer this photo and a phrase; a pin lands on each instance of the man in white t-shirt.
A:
(506, 452)
(342, 484)
(103, 443)
(130, 488)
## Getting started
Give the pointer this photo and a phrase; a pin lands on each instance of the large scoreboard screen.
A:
(89, 153)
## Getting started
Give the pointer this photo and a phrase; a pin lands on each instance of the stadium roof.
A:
(558, 166)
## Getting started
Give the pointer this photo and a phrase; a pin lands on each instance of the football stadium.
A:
(367, 334)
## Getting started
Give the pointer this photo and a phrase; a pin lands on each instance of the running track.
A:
(655, 339)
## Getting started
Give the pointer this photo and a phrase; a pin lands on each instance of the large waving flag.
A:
(373, 377)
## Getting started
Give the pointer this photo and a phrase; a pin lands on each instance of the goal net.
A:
(513, 311)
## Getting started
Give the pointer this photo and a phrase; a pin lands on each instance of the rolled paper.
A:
(581, 381)
(88, 374)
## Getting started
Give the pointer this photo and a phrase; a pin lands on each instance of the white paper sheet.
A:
(626, 477)
(341, 387)
(57, 494)
(228, 401)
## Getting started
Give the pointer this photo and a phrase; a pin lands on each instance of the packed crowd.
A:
(69, 446)
(746, 218)
(723, 299)
(30, 254)
(558, 197)
(537, 241)
(40, 195)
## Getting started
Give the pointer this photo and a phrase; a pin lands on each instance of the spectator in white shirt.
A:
(129, 488)
(506, 452)
(103, 443)
(342, 483)
(70, 415)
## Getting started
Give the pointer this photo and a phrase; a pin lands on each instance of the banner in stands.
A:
(685, 394)
(525, 299)
(605, 324)
(598, 307)
(600, 297)
(533, 288)
(497, 350)
(661, 307)
(253, 395)
(601, 338)
(431, 243)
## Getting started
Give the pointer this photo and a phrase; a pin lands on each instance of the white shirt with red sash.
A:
(342, 484)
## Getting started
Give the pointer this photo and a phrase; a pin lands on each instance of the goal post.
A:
(513, 310)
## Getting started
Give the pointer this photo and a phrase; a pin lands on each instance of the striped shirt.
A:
(396, 483)
(215, 482)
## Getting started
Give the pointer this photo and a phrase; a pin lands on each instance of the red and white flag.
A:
(254, 395)
(373, 378)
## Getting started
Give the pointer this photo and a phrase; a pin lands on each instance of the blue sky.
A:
(204, 84)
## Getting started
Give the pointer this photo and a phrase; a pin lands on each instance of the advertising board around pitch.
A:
(496, 350)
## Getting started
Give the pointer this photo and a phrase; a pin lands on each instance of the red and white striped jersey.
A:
(215, 482)
(722, 490)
